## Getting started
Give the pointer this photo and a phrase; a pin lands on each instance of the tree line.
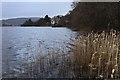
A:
(46, 21)
(85, 15)
(93, 16)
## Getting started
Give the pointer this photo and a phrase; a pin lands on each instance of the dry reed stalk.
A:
(98, 53)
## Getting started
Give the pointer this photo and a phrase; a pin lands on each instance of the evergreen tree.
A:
(28, 23)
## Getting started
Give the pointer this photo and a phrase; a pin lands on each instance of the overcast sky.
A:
(34, 9)
(37, 8)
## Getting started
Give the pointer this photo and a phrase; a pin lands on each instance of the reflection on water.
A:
(21, 44)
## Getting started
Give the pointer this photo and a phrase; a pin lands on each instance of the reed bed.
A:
(52, 65)
(95, 55)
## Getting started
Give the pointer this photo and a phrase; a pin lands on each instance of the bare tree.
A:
(75, 3)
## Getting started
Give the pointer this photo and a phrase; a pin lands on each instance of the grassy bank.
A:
(95, 55)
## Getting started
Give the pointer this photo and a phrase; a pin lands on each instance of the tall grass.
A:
(97, 55)
(55, 64)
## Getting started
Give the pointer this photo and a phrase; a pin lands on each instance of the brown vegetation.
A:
(93, 16)
(95, 55)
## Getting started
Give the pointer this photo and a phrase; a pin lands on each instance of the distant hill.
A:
(17, 21)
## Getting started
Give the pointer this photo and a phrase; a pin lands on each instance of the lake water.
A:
(21, 43)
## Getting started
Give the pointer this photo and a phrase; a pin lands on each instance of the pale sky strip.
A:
(59, 0)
